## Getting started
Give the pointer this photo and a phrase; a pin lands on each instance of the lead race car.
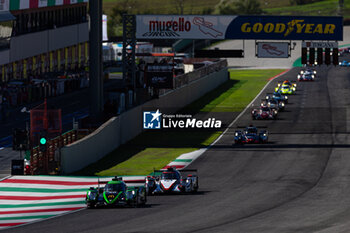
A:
(264, 113)
(116, 193)
(172, 180)
(307, 75)
(251, 135)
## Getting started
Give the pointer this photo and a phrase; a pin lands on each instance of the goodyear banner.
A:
(239, 27)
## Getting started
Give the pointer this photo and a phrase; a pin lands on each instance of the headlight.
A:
(315, 62)
(133, 192)
(339, 63)
(267, 97)
(301, 72)
(264, 134)
(236, 134)
(313, 76)
(293, 88)
(282, 104)
(298, 75)
(286, 97)
(315, 72)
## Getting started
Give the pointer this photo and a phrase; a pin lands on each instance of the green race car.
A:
(116, 193)
(286, 88)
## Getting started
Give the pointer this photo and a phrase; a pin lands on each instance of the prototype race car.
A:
(344, 63)
(116, 193)
(275, 104)
(277, 96)
(172, 181)
(286, 88)
(264, 113)
(250, 135)
(307, 75)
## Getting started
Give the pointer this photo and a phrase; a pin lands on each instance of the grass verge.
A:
(155, 149)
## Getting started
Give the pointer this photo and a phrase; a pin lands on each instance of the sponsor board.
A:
(157, 120)
(239, 27)
(273, 50)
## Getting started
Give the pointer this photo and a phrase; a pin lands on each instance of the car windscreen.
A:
(170, 175)
(115, 187)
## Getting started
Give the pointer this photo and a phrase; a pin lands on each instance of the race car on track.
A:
(115, 193)
(264, 113)
(286, 88)
(274, 104)
(308, 75)
(277, 96)
(344, 63)
(309, 70)
(172, 180)
(251, 135)
(286, 82)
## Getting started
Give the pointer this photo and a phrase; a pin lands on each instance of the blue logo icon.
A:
(152, 120)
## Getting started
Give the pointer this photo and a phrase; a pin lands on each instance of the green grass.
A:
(155, 149)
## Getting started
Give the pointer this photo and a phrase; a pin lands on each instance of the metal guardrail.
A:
(185, 79)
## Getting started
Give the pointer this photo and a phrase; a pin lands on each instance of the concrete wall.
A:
(119, 130)
(36, 43)
(5, 56)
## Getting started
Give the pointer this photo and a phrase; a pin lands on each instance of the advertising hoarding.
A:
(273, 49)
(239, 27)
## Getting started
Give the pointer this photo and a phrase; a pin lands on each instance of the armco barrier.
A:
(118, 130)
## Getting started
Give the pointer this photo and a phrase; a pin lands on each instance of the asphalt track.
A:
(299, 182)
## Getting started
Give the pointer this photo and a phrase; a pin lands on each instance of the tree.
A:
(180, 6)
(246, 7)
(249, 7)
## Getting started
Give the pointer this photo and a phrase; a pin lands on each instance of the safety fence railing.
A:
(47, 160)
(199, 73)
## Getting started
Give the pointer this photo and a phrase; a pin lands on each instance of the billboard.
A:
(239, 27)
(273, 49)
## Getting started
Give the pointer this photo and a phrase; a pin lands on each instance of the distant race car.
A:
(286, 88)
(116, 193)
(250, 135)
(307, 75)
(344, 63)
(274, 104)
(309, 70)
(264, 113)
(277, 96)
(172, 181)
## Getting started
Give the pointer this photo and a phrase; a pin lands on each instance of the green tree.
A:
(245, 7)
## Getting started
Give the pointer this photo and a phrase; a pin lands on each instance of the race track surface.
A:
(299, 182)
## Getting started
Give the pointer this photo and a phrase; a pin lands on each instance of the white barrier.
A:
(118, 130)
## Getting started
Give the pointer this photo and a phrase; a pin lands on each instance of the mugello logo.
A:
(158, 28)
(298, 26)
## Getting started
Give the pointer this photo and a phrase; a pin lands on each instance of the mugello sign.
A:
(238, 27)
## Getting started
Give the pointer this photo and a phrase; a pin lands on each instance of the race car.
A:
(264, 113)
(172, 180)
(307, 75)
(274, 104)
(344, 63)
(115, 193)
(309, 70)
(277, 96)
(286, 82)
(250, 135)
(286, 88)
